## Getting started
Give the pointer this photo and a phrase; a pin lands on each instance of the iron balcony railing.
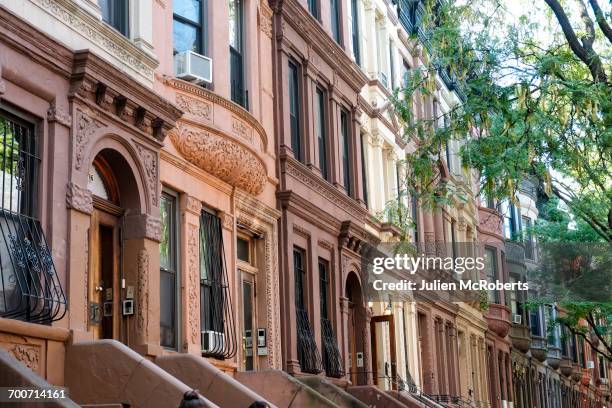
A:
(332, 362)
(30, 289)
(308, 354)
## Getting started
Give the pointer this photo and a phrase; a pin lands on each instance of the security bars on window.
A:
(216, 311)
(30, 289)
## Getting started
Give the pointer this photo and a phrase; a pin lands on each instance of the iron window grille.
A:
(332, 362)
(216, 309)
(30, 289)
(308, 354)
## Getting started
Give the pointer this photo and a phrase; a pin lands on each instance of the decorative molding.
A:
(153, 228)
(28, 355)
(143, 293)
(226, 159)
(85, 128)
(227, 221)
(55, 114)
(100, 34)
(151, 169)
(193, 276)
(326, 244)
(216, 99)
(2, 87)
(195, 107)
(79, 198)
(193, 205)
(265, 19)
(241, 129)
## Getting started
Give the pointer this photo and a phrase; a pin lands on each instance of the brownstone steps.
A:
(107, 372)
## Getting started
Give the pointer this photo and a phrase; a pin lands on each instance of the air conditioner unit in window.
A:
(590, 364)
(192, 66)
(517, 319)
(213, 342)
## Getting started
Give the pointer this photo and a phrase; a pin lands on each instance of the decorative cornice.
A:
(187, 87)
(224, 158)
(338, 198)
(193, 205)
(100, 34)
(311, 30)
(79, 198)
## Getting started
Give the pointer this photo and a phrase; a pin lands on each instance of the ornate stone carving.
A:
(79, 198)
(227, 221)
(265, 19)
(153, 228)
(2, 87)
(241, 129)
(28, 355)
(195, 107)
(149, 162)
(85, 127)
(55, 114)
(103, 36)
(193, 282)
(223, 158)
(143, 292)
(193, 205)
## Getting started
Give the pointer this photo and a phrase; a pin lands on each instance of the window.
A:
(308, 354)
(294, 111)
(216, 317)
(535, 322)
(168, 262)
(335, 20)
(238, 92)
(454, 238)
(355, 24)
(364, 172)
(313, 7)
(29, 286)
(528, 238)
(331, 355)
(415, 217)
(344, 130)
(116, 14)
(322, 133)
(324, 288)
(243, 249)
(602, 367)
(188, 27)
(391, 65)
(491, 271)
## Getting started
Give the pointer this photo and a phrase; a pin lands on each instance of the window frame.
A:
(124, 16)
(322, 131)
(355, 31)
(238, 92)
(336, 20)
(314, 8)
(345, 132)
(176, 244)
(295, 118)
(201, 27)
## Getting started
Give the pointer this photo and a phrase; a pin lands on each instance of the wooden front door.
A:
(104, 280)
(352, 346)
(386, 371)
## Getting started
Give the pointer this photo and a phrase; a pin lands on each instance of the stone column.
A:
(377, 195)
(367, 352)
(355, 153)
(344, 311)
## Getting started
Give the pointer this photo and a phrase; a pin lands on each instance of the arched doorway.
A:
(356, 331)
(114, 190)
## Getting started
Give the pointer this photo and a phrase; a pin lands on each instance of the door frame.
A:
(248, 275)
(381, 319)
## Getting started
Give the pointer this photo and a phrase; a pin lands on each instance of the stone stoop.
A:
(217, 386)
(373, 397)
(411, 400)
(108, 372)
(331, 391)
(14, 373)
(283, 390)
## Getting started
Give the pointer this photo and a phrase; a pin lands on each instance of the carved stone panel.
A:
(143, 293)
(193, 282)
(85, 128)
(222, 157)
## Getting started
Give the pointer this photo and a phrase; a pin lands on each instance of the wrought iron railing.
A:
(216, 310)
(332, 361)
(30, 289)
(308, 354)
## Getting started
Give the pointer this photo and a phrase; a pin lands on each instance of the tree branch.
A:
(589, 342)
(583, 51)
(601, 20)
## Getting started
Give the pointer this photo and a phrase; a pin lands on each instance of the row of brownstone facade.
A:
(229, 219)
